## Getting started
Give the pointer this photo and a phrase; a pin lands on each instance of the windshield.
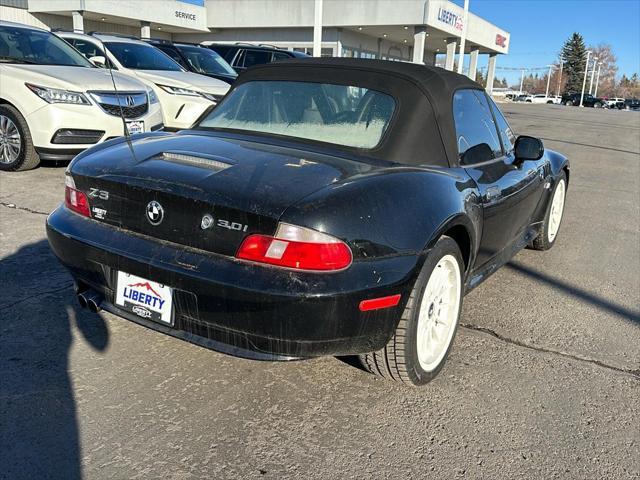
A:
(204, 60)
(346, 115)
(139, 56)
(23, 45)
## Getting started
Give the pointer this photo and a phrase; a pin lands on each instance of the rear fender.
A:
(396, 211)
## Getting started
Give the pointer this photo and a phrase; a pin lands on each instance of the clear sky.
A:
(539, 28)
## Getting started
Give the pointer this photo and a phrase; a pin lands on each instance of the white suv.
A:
(54, 103)
(615, 103)
(184, 96)
(542, 98)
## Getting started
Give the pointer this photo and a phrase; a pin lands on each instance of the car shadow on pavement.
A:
(611, 149)
(38, 419)
(584, 295)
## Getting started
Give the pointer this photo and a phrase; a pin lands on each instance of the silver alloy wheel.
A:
(438, 313)
(10, 140)
(557, 207)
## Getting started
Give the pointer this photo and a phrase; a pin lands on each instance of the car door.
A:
(510, 191)
(255, 57)
(280, 56)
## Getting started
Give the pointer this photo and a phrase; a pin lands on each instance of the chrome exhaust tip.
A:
(82, 300)
(90, 299)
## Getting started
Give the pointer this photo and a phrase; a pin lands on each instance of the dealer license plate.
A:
(145, 298)
(135, 127)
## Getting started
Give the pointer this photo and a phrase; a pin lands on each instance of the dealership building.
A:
(423, 31)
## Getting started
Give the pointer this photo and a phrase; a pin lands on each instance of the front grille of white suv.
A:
(129, 104)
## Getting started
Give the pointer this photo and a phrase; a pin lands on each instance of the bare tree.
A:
(608, 69)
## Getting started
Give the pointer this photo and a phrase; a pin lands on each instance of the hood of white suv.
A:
(74, 78)
(189, 80)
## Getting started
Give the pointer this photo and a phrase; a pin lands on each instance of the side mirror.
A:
(528, 148)
(99, 61)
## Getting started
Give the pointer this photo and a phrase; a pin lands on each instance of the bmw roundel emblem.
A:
(155, 213)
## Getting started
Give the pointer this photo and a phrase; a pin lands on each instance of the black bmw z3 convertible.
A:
(324, 207)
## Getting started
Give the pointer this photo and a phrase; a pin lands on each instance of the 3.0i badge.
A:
(208, 222)
(155, 213)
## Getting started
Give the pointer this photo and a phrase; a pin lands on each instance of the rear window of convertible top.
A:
(340, 114)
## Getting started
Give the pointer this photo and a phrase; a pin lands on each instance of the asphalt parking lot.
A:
(543, 382)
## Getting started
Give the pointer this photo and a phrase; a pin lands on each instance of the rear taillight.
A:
(74, 199)
(296, 247)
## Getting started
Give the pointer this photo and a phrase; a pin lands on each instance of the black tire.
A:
(28, 157)
(542, 241)
(398, 360)
(569, 103)
(597, 105)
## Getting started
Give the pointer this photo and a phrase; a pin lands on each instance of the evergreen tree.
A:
(575, 57)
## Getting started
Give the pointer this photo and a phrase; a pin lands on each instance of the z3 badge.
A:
(97, 193)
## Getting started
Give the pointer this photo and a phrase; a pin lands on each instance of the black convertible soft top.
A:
(422, 131)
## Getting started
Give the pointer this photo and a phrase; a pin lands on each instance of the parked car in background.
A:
(542, 98)
(615, 103)
(523, 98)
(54, 103)
(244, 55)
(632, 104)
(184, 95)
(198, 59)
(326, 207)
(573, 99)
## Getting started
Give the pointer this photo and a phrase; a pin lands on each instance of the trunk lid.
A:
(244, 186)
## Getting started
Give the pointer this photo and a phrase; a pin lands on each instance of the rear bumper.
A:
(235, 307)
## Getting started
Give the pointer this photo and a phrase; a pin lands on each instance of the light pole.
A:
(560, 76)
(463, 37)
(317, 28)
(521, 82)
(593, 74)
(584, 80)
(548, 80)
(595, 91)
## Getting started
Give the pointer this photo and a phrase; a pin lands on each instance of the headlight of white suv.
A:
(153, 98)
(212, 97)
(180, 91)
(55, 95)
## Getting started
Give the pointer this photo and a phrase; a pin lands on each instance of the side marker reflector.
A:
(378, 303)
